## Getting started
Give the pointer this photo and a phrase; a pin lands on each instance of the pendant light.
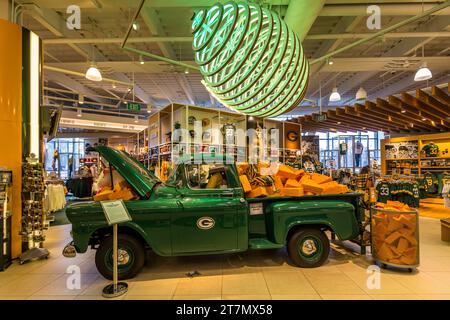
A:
(79, 113)
(423, 73)
(361, 94)
(136, 119)
(80, 99)
(149, 108)
(93, 73)
(335, 96)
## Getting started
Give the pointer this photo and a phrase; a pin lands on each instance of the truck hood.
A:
(139, 178)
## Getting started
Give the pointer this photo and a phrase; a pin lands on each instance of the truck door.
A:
(209, 216)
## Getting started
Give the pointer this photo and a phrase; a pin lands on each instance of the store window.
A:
(333, 143)
(60, 153)
(207, 176)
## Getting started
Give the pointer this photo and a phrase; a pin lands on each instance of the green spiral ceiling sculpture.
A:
(250, 60)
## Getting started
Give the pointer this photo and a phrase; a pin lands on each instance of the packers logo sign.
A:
(205, 223)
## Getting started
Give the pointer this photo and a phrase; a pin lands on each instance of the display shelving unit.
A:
(417, 163)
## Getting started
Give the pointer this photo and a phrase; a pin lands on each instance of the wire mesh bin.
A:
(395, 237)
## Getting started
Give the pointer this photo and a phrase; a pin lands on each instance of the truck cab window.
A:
(206, 176)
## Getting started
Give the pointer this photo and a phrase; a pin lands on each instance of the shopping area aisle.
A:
(250, 275)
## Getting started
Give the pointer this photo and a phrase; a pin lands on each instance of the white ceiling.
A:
(383, 66)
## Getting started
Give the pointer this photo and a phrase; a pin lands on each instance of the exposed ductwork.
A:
(301, 14)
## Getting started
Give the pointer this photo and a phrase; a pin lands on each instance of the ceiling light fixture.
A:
(149, 108)
(79, 113)
(141, 60)
(361, 94)
(330, 61)
(186, 71)
(335, 96)
(250, 60)
(423, 73)
(403, 111)
(136, 119)
(80, 99)
(93, 73)
(136, 26)
(114, 85)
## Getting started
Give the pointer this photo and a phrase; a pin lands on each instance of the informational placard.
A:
(115, 211)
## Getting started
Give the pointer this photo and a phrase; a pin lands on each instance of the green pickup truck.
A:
(184, 216)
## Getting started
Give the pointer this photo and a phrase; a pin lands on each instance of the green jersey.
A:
(383, 191)
(432, 182)
(431, 150)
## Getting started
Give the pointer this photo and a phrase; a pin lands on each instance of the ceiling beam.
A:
(387, 108)
(432, 102)
(440, 94)
(410, 108)
(153, 23)
(73, 85)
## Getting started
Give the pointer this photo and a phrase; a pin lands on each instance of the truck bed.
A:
(352, 196)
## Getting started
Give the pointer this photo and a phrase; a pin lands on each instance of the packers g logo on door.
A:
(205, 223)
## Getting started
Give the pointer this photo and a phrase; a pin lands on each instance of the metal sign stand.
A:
(115, 212)
(116, 288)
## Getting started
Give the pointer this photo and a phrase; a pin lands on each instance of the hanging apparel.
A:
(383, 191)
(432, 182)
(55, 198)
(343, 148)
(446, 195)
(431, 150)
(423, 188)
(443, 178)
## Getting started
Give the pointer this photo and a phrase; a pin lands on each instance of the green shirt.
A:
(431, 150)
(432, 182)
(384, 192)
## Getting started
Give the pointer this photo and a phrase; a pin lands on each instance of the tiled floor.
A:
(250, 275)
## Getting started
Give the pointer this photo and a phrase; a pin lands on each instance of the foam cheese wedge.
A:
(285, 171)
(312, 186)
(245, 183)
(320, 178)
(292, 192)
(257, 192)
(292, 183)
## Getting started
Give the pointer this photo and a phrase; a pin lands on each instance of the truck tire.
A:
(131, 257)
(308, 248)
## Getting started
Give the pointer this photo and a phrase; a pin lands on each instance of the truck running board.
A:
(261, 243)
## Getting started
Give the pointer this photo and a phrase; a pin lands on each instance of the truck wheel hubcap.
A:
(309, 247)
(123, 257)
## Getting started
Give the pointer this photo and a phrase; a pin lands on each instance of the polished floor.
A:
(249, 275)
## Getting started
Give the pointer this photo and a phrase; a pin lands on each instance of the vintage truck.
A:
(184, 217)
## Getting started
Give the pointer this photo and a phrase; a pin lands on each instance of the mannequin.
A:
(358, 152)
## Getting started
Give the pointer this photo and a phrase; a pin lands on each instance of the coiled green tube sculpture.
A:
(250, 60)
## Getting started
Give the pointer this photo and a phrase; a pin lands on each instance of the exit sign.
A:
(133, 106)
(320, 117)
